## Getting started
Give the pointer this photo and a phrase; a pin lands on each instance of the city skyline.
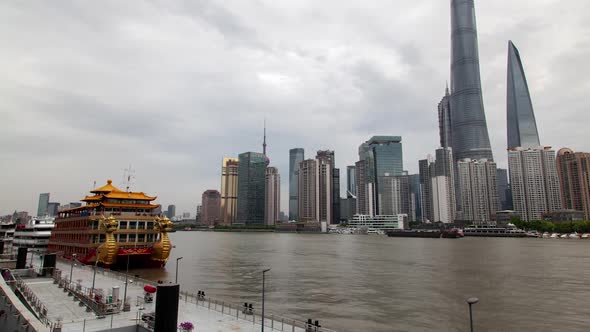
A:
(175, 122)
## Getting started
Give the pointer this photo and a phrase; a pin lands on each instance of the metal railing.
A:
(271, 320)
(38, 307)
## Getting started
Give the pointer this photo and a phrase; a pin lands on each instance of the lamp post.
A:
(72, 267)
(176, 279)
(263, 280)
(94, 275)
(471, 301)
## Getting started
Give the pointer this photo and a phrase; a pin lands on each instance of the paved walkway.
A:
(75, 318)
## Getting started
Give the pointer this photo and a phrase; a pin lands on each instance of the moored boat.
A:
(423, 233)
(114, 228)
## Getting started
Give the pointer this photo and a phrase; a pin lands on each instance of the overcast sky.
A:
(171, 87)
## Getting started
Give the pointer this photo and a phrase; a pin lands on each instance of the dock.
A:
(57, 305)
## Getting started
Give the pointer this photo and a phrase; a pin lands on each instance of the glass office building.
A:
(469, 137)
(251, 188)
(296, 156)
(522, 127)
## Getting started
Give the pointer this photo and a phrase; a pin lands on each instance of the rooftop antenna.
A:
(264, 140)
(128, 177)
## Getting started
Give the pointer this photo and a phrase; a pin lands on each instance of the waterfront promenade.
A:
(205, 313)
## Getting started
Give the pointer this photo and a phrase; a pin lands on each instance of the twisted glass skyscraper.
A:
(468, 125)
(522, 127)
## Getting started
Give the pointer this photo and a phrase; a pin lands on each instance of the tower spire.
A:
(264, 140)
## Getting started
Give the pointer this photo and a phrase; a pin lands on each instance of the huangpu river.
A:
(376, 283)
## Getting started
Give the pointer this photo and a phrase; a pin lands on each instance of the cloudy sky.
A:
(171, 87)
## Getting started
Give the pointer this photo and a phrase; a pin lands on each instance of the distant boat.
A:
(563, 236)
(546, 235)
(574, 236)
(585, 236)
(554, 236)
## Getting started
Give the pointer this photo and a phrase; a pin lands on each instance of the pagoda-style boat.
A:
(115, 227)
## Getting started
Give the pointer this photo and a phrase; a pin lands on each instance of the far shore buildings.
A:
(272, 196)
(211, 207)
(251, 182)
(534, 182)
(296, 156)
(478, 186)
(229, 191)
(574, 174)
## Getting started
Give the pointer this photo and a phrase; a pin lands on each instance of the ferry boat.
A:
(35, 234)
(114, 228)
(484, 231)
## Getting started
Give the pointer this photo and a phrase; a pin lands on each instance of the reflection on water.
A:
(375, 283)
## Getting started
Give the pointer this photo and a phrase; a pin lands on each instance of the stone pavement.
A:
(75, 318)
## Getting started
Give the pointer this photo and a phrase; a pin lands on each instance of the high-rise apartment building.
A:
(52, 208)
(469, 129)
(327, 156)
(415, 198)
(350, 181)
(171, 211)
(504, 193)
(479, 192)
(534, 182)
(574, 179)
(211, 207)
(296, 156)
(394, 196)
(522, 127)
(43, 204)
(251, 183)
(316, 190)
(437, 185)
(426, 189)
(272, 197)
(364, 189)
(229, 191)
(444, 120)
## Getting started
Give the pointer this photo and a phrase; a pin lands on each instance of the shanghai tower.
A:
(522, 127)
(469, 129)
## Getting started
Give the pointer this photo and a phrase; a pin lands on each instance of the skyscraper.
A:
(350, 181)
(426, 189)
(534, 182)
(574, 175)
(171, 211)
(251, 182)
(468, 122)
(43, 204)
(229, 190)
(296, 156)
(211, 207)
(364, 189)
(504, 193)
(415, 198)
(479, 192)
(329, 158)
(522, 127)
(394, 197)
(307, 201)
(444, 120)
(273, 196)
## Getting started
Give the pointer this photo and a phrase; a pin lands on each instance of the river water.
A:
(376, 283)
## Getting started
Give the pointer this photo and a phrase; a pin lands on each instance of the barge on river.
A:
(114, 228)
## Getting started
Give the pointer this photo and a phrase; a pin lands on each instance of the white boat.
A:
(34, 234)
(574, 236)
(563, 236)
(585, 236)
(546, 235)
(554, 236)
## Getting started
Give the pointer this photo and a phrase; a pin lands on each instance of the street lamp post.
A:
(263, 281)
(72, 267)
(176, 279)
(471, 301)
(94, 275)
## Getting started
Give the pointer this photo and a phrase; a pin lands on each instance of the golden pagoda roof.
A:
(110, 191)
(106, 188)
